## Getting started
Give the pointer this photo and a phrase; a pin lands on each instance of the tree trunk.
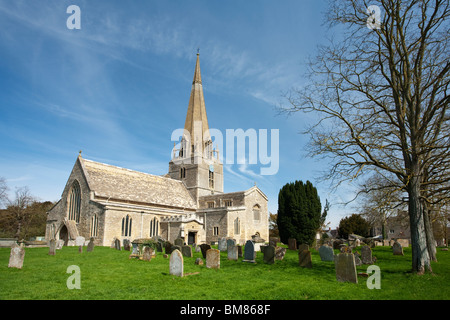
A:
(420, 257)
(431, 243)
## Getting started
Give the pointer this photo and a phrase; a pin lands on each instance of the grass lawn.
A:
(109, 274)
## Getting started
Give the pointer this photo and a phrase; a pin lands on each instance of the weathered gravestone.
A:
(231, 242)
(59, 244)
(232, 252)
(273, 241)
(269, 255)
(366, 255)
(147, 255)
(222, 244)
(186, 251)
(279, 253)
(175, 247)
(326, 253)
(213, 259)
(302, 247)
(304, 259)
(178, 242)
(176, 266)
(117, 244)
(80, 241)
(16, 256)
(168, 247)
(52, 247)
(249, 251)
(126, 244)
(204, 248)
(90, 246)
(397, 249)
(199, 261)
(345, 268)
(292, 244)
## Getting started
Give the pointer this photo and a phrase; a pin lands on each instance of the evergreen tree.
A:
(299, 212)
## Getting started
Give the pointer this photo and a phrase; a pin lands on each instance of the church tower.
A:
(195, 162)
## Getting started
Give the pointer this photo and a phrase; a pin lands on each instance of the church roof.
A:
(196, 120)
(118, 184)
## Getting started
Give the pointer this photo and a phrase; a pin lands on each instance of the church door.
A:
(64, 235)
(191, 238)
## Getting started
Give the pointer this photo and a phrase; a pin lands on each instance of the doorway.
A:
(191, 237)
(64, 235)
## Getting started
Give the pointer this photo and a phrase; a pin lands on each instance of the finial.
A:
(198, 51)
(79, 153)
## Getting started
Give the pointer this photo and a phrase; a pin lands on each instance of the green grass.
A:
(109, 274)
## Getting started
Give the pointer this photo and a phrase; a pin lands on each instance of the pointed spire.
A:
(196, 120)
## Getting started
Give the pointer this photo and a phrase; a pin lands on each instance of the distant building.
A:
(107, 202)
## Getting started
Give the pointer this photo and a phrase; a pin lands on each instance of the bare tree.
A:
(3, 191)
(19, 209)
(382, 96)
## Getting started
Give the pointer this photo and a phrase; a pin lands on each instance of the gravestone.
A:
(117, 244)
(175, 247)
(326, 253)
(159, 246)
(345, 268)
(176, 266)
(186, 251)
(126, 244)
(232, 252)
(168, 247)
(52, 247)
(80, 241)
(304, 259)
(90, 246)
(397, 249)
(273, 241)
(249, 251)
(222, 244)
(198, 249)
(279, 253)
(178, 242)
(213, 259)
(358, 261)
(302, 247)
(231, 242)
(16, 256)
(59, 244)
(199, 261)
(269, 255)
(366, 255)
(292, 244)
(204, 248)
(147, 255)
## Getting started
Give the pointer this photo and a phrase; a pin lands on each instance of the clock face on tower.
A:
(211, 168)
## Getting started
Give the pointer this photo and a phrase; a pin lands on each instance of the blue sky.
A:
(118, 87)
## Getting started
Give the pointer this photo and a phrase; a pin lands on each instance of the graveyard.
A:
(107, 273)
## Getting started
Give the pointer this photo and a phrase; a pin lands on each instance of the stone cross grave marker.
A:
(176, 266)
(345, 267)
(16, 256)
(213, 259)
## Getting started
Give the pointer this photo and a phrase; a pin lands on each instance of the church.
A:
(107, 202)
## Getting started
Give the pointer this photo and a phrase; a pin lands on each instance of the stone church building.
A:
(107, 202)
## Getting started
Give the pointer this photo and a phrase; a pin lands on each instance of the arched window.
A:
(126, 226)
(154, 227)
(94, 226)
(74, 202)
(256, 213)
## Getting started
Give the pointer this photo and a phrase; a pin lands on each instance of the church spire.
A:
(196, 120)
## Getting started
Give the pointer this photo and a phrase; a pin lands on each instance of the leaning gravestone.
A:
(269, 255)
(366, 255)
(232, 252)
(204, 248)
(117, 244)
(222, 244)
(279, 253)
(304, 259)
(52, 247)
(176, 266)
(326, 253)
(292, 244)
(213, 259)
(249, 251)
(345, 268)
(16, 256)
(186, 251)
(397, 249)
(90, 246)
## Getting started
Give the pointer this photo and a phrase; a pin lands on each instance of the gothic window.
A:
(154, 226)
(237, 226)
(216, 231)
(182, 173)
(126, 226)
(94, 226)
(74, 202)
(211, 179)
(256, 213)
